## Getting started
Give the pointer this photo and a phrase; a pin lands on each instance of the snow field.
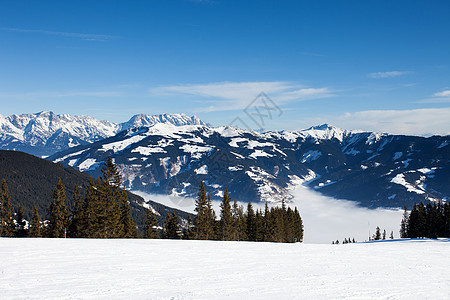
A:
(168, 269)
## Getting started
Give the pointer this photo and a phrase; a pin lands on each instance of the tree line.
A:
(104, 212)
(430, 221)
(277, 224)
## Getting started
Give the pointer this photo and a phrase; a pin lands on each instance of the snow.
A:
(68, 155)
(259, 153)
(121, 145)
(202, 170)
(87, 164)
(169, 269)
(234, 142)
(311, 155)
(196, 151)
(148, 150)
(400, 179)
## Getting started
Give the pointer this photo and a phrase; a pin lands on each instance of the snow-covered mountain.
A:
(46, 133)
(373, 169)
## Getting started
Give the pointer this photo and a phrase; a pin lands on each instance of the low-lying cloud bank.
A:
(325, 219)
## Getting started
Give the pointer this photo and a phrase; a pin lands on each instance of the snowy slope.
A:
(45, 133)
(168, 269)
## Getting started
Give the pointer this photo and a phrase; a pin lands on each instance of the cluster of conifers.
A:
(277, 224)
(431, 221)
(104, 212)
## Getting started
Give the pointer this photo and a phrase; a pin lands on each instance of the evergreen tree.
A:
(404, 224)
(59, 217)
(298, 226)
(150, 227)
(35, 224)
(377, 235)
(77, 217)
(226, 220)
(171, 227)
(21, 230)
(204, 220)
(7, 225)
(384, 234)
(238, 222)
(392, 235)
(250, 223)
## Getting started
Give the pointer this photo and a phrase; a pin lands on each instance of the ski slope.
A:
(168, 269)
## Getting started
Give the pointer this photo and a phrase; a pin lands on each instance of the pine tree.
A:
(226, 220)
(377, 235)
(111, 197)
(21, 230)
(77, 218)
(238, 222)
(392, 235)
(250, 223)
(204, 220)
(150, 227)
(59, 217)
(171, 227)
(298, 226)
(404, 227)
(384, 234)
(7, 225)
(35, 224)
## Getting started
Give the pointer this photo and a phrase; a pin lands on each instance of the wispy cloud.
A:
(223, 96)
(389, 74)
(82, 36)
(442, 94)
(439, 97)
(424, 122)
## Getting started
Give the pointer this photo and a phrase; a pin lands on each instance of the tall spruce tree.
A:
(59, 217)
(204, 220)
(150, 227)
(226, 219)
(239, 232)
(35, 224)
(77, 215)
(171, 227)
(404, 224)
(7, 225)
(21, 230)
(250, 223)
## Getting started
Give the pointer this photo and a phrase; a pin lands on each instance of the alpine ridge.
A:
(376, 170)
(46, 133)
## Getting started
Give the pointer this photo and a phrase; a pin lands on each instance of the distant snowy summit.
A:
(46, 133)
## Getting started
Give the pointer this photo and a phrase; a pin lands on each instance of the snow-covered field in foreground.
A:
(166, 269)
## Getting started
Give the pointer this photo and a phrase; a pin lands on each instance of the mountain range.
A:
(376, 170)
(46, 133)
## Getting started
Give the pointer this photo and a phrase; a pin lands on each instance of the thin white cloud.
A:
(425, 122)
(223, 96)
(389, 74)
(82, 36)
(439, 97)
(442, 94)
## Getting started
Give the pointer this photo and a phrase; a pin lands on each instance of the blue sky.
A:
(371, 65)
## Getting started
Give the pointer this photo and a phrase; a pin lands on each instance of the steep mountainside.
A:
(46, 133)
(373, 169)
(32, 180)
